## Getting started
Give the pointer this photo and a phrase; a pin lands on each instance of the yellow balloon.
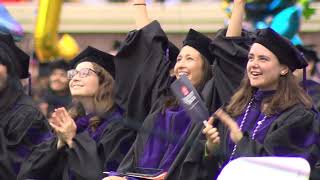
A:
(46, 29)
(47, 46)
(68, 47)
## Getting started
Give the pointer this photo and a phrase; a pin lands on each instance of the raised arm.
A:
(141, 13)
(235, 25)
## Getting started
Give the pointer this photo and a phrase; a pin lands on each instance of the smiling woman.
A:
(194, 59)
(264, 68)
(86, 142)
(22, 125)
(207, 65)
(269, 70)
(85, 81)
(270, 114)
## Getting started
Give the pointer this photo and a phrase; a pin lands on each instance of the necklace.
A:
(259, 123)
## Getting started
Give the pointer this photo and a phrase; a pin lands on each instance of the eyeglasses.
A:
(82, 72)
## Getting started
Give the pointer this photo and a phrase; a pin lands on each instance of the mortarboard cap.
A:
(309, 53)
(285, 51)
(59, 64)
(172, 54)
(22, 59)
(91, 54)
(199, 42)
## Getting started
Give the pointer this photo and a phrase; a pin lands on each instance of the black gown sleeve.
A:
(131, 160)
(116, 144)
(23, 128)
(231, 55)
(83, 159)
(5, 171)
(45, 162)
(87, 158)
(191, 162)
(141, 64)
(293, 134)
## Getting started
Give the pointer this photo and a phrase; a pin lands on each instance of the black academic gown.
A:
(140, 75)
(313, 89)
(231, 55)
(142, 71)
(56, 101)
(22, 127)
(86, 160)
(231, 58)
(292, 133)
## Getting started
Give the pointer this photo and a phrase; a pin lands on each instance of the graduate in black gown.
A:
(88, 142)
(167, 117)
(312, 87)
(22, 125)
(230, 51)
(58, 93)
(270, 114)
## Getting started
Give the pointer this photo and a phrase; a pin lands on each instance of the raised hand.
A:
(235, 23)
(141, 13)
(235, 131)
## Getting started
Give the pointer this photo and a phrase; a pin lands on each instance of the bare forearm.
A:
(235, 25)
(141, 13)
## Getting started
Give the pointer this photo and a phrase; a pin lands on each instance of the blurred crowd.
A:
(99, 1)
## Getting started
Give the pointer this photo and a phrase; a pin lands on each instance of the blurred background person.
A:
(312, 86)
(22, 125)
(58, 93)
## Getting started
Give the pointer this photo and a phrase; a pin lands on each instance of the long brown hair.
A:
(207, 74)
(288, 93)
(103, 98)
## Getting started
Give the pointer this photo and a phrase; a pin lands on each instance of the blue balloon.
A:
(8, 25)
(287, 22)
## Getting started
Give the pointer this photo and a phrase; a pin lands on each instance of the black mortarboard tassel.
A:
(285, 51)
(199, 42)
(94, 55)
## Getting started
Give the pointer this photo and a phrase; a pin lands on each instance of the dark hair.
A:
(288, 94)
(11, 93)
(207, 73)
(12, 90)
(171, 101)
(7, 59)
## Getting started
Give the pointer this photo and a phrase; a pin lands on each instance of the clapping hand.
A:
(64, 126)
